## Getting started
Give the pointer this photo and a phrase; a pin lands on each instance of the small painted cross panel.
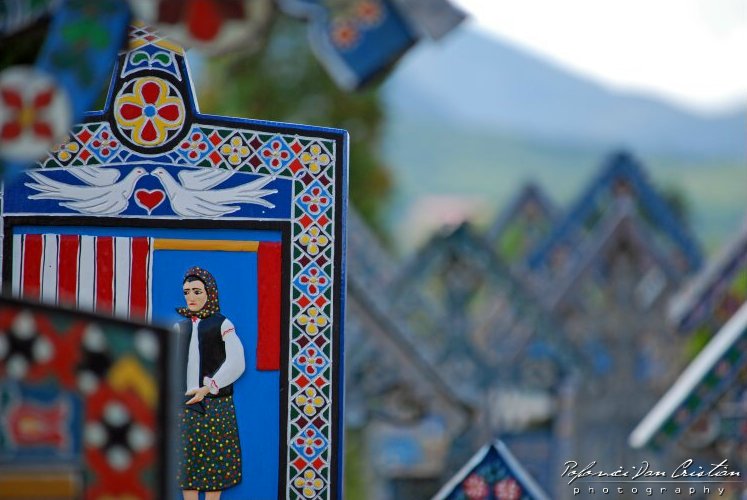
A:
(83, 405)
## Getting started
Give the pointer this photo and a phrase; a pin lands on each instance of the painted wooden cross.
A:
(149, 186)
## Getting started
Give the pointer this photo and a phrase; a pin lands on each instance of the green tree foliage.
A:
(355, 467)
(283, 81)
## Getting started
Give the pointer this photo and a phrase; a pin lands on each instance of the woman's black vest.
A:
(211, 347)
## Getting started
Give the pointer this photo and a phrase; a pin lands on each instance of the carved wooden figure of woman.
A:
(210, 437)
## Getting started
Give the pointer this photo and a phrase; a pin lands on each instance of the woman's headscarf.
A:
(211, 288)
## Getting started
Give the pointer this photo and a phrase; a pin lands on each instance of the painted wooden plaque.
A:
(39, 103)
(492, 473)
(83, 405)
(356, 40)
(148, 187)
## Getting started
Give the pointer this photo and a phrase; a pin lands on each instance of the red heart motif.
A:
(149, 198)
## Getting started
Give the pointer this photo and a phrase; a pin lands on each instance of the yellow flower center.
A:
(26, 116)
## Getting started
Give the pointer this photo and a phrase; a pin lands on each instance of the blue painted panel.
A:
(355, 41)
(18, 194)
(374, 47)
(256, 393)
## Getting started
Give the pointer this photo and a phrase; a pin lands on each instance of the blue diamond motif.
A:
(195, 146)
(312, 281)
(276, 154)
(315, 199)
(309, 443)
(311, 361)
(104, 145)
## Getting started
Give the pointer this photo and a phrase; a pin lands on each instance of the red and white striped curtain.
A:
(106, 274)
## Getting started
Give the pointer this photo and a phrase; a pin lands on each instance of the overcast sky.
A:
(693, 52)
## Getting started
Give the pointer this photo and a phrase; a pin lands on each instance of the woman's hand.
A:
(199, 394)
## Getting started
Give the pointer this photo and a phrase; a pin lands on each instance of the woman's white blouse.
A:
(231, 368)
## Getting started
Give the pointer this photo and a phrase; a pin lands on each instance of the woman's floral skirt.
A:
(211, 458)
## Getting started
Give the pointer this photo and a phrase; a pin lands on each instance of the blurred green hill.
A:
(478, 173)
(470, 119)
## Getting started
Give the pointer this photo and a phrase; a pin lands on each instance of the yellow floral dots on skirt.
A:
(215, 463)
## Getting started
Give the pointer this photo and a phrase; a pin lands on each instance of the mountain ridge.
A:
(446, 138)
(470, 79)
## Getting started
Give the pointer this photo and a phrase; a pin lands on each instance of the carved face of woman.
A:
(195, 295)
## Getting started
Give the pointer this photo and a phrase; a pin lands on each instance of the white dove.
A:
(194, 196)
(101, 195)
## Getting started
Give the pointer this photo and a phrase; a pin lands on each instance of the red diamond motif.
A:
(215, 158)
(304, 260)
(320, 301)
(305, 220)
(254, 161)
(215, 138)
(299, 463)
(84, 136)
(320, 382)
(318, 463)
(84, 155)
(302, 381)
(323, 220)
(303, 302)
(295, 166)
(296, 146)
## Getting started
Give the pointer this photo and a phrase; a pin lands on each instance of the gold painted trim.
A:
(216, 245)
(39, 484)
